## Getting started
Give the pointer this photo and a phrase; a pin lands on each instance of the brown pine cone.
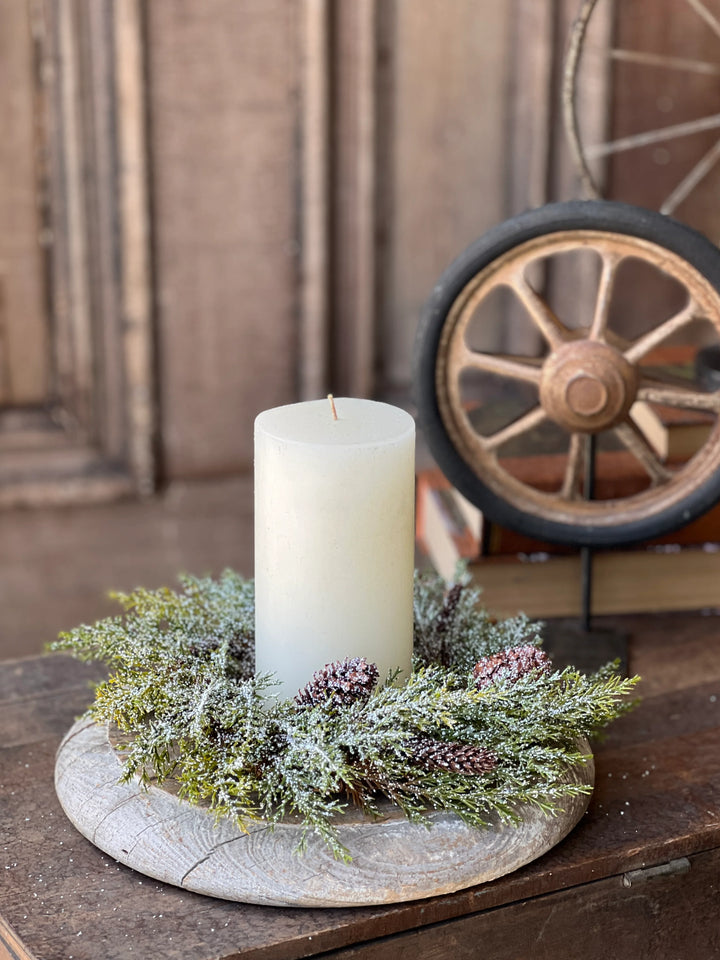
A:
(345, 681)
(454, 757)
(510, 665)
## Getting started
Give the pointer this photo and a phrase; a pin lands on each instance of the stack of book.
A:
(679, 571)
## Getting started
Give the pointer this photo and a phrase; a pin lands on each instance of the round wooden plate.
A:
(162, 836)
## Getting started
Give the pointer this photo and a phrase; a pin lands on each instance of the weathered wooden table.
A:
(639, 877)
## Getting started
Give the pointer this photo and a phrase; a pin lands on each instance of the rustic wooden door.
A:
(75, 374)
(211, 207)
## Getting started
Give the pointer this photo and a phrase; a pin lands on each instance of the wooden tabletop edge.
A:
(11, 946)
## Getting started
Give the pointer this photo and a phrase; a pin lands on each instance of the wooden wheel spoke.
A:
(648, 341)
(554, 332)
(516, 429)
(527, 369)
(653, 136)
(574, 468)
(635, 442)
(702, 11)
(644, 58)
(610, 262)
(688, 183)
(675, 395)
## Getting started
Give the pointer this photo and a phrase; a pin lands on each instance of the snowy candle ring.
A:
(334, 537)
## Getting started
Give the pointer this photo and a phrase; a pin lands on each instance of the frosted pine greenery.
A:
(451, 628)
(182, 692)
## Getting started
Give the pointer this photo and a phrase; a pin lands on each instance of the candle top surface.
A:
(358, 422)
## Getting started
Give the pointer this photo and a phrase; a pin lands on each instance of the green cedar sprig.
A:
(182, 692)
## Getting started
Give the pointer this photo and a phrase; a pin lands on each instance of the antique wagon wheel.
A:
(590, 376)
(669, 79)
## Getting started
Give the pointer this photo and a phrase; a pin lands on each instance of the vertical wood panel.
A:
(448, 156)
(531, 139)
(224, 104)
(532, 107)
(353, 263)
(136, 275)
(74, 368)
(95, 196)
(315, 199)
(82, 438)
(23, 336)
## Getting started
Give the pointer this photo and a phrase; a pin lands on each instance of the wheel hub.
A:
(587, 386)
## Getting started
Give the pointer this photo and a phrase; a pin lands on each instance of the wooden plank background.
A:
(223, 89)
(312, 167)
(448, 160)
(289, 179)
(24, 374)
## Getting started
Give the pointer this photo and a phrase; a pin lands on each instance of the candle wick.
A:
(332, 406)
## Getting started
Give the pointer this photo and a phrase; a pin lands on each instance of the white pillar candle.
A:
(334, 538)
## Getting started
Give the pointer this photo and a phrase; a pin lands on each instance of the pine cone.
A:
(510, 665)
(453, 757)
(345, 681)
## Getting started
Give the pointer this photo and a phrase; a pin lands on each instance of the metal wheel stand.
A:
(577, 643)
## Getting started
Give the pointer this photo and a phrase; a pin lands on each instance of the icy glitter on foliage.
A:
(452, 628)
(181, 688)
